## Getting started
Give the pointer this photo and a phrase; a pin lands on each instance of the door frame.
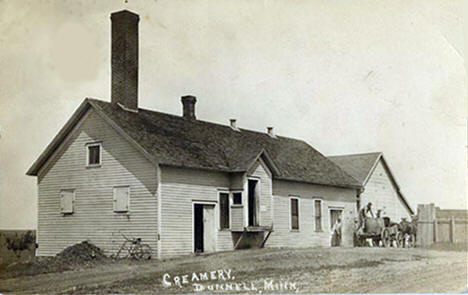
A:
(257, 200)
(335, 208)
(211, 203)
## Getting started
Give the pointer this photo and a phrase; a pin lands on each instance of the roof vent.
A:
(233, 124)
(188, 103)
(271, 132)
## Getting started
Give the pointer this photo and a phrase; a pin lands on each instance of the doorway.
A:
(252, 202)
(335, 215)
(204, 228)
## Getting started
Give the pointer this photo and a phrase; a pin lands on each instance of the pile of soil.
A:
(80, 255)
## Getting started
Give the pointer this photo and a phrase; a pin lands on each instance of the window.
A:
(318, 215)
(67, 201)
(294, 213)
(223, 210)
(121, 199)
(94, 154)
(237, 198)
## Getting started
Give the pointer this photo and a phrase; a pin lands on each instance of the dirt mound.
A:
(81, 253)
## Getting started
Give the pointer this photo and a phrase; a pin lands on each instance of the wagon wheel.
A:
(385, 237)
(400, 239)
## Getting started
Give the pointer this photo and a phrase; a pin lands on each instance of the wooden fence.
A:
(435, 225)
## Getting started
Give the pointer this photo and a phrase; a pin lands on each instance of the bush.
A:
(20, 243)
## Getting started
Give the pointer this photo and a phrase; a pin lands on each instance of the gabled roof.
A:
(172, 140)
(361, 167)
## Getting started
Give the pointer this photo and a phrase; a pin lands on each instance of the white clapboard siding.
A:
(237, 218)
(179, 189)
(93, 218)
(306, 236)
(237, 183)
(261, 172)
(382, 193)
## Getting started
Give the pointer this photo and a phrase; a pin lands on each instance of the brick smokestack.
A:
(125, 59)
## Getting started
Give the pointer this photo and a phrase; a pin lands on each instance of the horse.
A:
(407, 232)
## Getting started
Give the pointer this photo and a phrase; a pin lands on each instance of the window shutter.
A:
(121, 199)
(66, 201)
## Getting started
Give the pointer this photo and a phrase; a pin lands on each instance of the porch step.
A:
(253, 237)
(259, 228)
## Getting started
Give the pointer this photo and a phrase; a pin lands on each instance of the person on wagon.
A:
(363, 213)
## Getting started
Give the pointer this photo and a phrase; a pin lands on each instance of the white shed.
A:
(380, 186)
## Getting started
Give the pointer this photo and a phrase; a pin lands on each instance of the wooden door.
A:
(198, 228)
(209, 229)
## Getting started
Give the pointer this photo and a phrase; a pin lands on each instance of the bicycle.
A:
(134, 249)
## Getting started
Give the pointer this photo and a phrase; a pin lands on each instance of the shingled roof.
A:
(359, 166)
(175, 141)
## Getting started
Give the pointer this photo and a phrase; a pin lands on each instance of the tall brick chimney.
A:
(125, 59)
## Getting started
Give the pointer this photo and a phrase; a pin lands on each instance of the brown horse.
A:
(408, 230)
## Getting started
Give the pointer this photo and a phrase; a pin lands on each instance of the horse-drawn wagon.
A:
(383, 232)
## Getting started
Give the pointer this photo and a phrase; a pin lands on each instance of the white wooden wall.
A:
(381, 192)
(93, 218)
(261, 172)
(179, 189)
(306, 236)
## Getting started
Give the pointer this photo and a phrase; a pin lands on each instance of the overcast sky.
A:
(346, 76)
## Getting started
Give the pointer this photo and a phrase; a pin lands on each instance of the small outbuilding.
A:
(379, 184)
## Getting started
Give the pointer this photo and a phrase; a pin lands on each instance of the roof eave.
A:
(268, 161)
(372, 168)
(351, 186)
(400, 194)
(45, 155)
(71, 123)
(124, 134)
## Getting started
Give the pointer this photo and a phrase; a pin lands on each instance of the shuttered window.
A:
(318, 215)
(121, 199)
(67, 201)
(224, 210)
(94, 154)
(294, 213)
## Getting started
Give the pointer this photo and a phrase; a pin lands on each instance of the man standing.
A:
(336, 233)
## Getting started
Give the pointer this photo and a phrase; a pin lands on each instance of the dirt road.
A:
(338, 270)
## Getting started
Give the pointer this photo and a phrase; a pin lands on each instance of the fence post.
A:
(436, 230)
(426, 221)
(452, 229)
